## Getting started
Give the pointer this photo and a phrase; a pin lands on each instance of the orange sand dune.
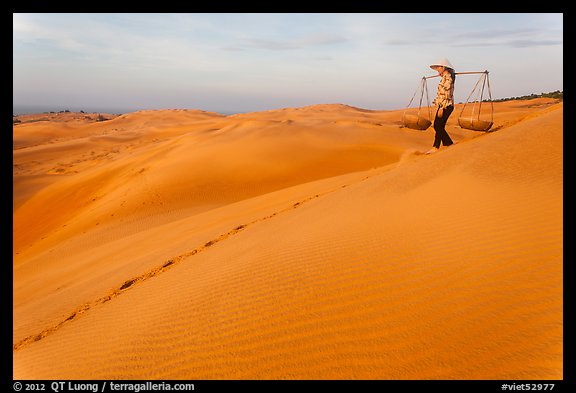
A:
(299, 243)
(170, 161)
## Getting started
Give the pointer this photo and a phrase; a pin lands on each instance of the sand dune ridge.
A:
(348, 256)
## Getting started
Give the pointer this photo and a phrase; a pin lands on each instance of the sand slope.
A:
(346, 256)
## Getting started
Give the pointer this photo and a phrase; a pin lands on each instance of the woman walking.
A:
(444, 101)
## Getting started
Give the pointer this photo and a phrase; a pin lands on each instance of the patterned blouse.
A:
(445, 94)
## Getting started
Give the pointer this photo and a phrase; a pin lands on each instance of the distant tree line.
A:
(99, 117)
(558, 94)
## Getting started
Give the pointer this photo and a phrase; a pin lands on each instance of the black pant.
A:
(439, 127)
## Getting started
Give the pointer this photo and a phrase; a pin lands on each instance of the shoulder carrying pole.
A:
(460, 73)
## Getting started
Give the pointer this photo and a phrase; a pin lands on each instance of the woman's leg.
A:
(439, 126)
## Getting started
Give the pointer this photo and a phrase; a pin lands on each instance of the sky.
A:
(233, 62)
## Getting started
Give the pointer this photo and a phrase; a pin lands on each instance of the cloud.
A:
(512, 43)
(531, 43)
(234, 48)
(310, 40)
(499, 33)
(515, 38)
(401, 42)
(26, 29)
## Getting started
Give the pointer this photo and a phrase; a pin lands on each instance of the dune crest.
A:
(306, 243)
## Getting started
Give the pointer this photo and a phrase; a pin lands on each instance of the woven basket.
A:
(475, 124)
(416, 122)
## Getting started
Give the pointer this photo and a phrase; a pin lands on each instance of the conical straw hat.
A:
(443, 62)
